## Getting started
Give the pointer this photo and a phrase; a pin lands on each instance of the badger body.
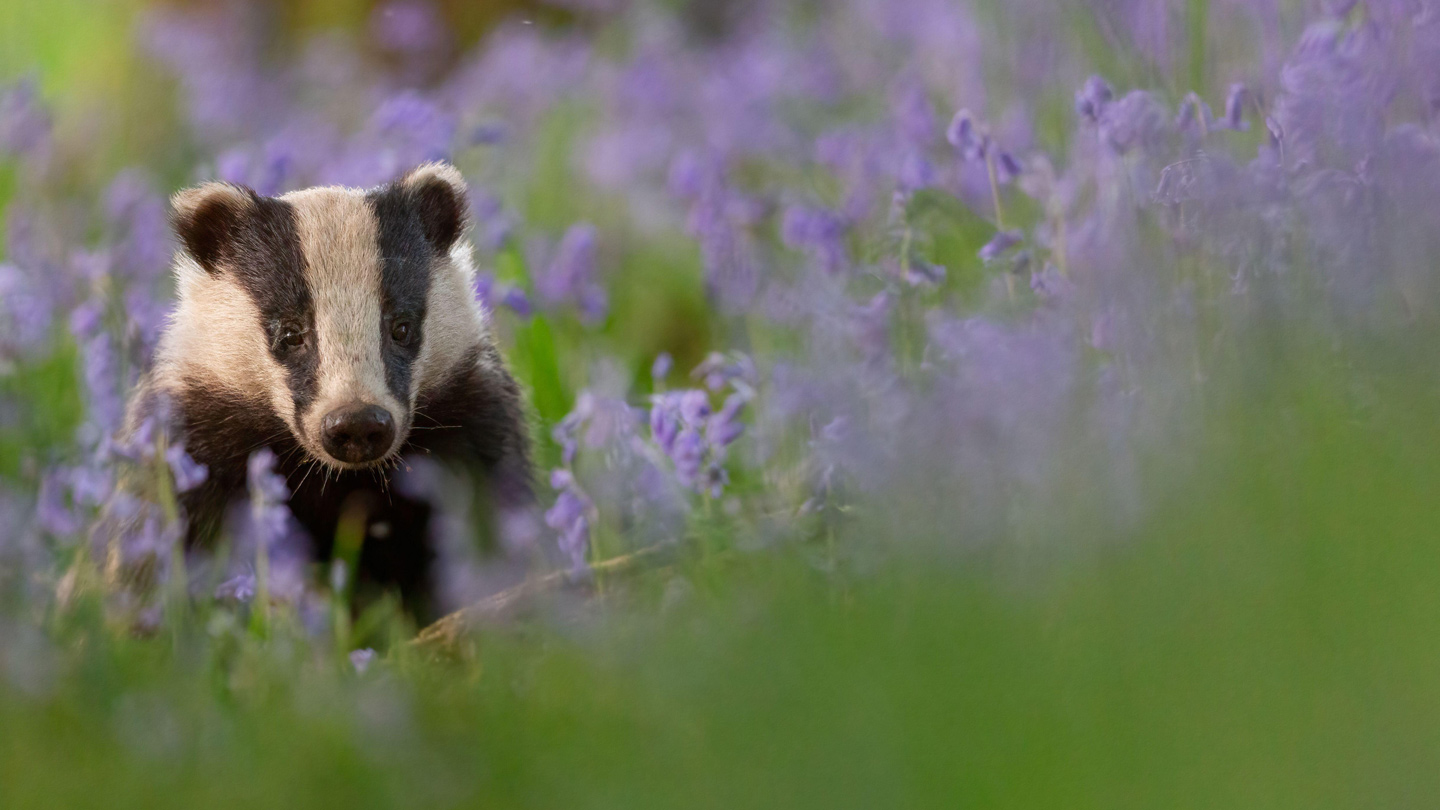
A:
(339, 328)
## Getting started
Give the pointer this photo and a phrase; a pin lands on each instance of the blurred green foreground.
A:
(1267, 639)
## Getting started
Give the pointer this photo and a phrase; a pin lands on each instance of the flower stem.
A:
(995, 190)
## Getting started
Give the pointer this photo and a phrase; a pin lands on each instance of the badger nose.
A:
(357, 434)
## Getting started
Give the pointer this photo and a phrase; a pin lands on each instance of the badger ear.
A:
(439, 195)
(207, 218)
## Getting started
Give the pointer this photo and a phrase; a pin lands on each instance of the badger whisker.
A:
(309, 468)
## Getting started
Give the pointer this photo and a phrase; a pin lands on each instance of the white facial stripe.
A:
(338, 238)
(455, 323)
(216, 334)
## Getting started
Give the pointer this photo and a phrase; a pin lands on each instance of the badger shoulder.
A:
(474, 414)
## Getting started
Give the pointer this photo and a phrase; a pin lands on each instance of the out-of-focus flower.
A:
(239, 588)
(1000, 244)
(570, 517)
(662, 366)
(1093, 97)
(408, 26)
(361, 660)
(693, 435)
(818, 232)
(965, 135)
(188, 473)
(53, 510)
(1235, 102)
(24, 121)
(571, 275)
(269, 496)
(518, 302)
(102, 383)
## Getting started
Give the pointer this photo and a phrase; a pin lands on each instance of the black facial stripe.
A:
(266, 258)
(405, 258)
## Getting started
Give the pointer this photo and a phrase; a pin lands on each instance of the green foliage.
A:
(51, 411)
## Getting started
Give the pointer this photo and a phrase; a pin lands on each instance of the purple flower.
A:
(1000, 243)
(719, 370)
(1007, 167)
(53, 508)
(25, 314)
(965, 135)
(269, 496)
(819, 232)
(665, 422)
(688, 453)
(518, 302)
(408, 26)
(1137, 120)
(189, 474)
(361, 660)
(102, 383)
(24, 122)
(725, 427)
(689, 175)
(920, 273)
(915, 115)
(139, 230)
(1195, 118)
(239, 588)
(600, 420)
(693, 436)
(91, 484)
(570, 517)
(662, 366)
(493, 223)
(570, 277)
(1093, 97)
(1235, 102)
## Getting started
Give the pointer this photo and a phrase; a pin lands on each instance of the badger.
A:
(338, 327)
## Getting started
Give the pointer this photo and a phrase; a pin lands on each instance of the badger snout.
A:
(358, 433)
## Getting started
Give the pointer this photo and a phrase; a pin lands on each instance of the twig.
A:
(448, 630)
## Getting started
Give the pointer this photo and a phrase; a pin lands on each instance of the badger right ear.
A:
(208, 217)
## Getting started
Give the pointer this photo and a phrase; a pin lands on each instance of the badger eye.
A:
(292, 338)
(400, 332)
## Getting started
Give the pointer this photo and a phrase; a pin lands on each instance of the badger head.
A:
(335, 308)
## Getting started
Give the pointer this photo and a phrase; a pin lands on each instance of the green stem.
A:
(995, 190)
(260, 617)
(179, 585)
(1198, 26)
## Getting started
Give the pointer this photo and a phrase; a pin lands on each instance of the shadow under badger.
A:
(339, 328)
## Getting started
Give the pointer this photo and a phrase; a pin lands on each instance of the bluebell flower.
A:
(518, 302)
(188, 473)
(24, 121)
(361, 660)
(966, 136)
(571, 276)
(1235, 101)
(239, 588)
(1093, 97)
(102, 383)
(269, 495)
(408, 26)
(662, 366)
(1000, 243)
(570, 517)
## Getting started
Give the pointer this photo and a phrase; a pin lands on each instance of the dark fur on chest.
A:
(474, 421)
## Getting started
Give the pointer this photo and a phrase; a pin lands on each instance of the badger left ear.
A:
(438, 193)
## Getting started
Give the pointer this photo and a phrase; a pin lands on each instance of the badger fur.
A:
(338, 327)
